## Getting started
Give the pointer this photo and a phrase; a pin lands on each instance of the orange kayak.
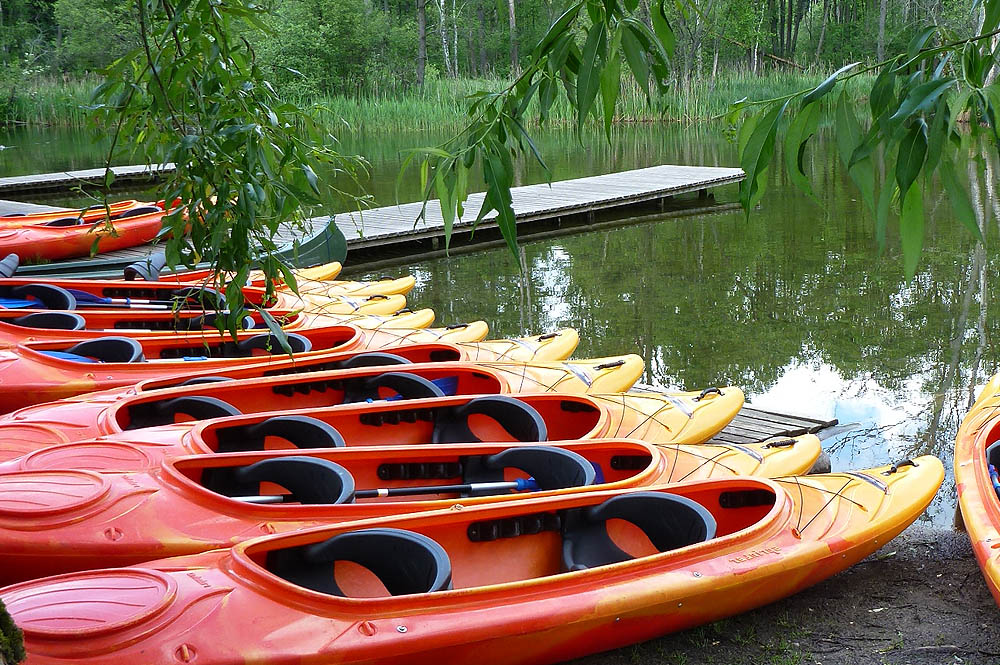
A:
(581, 573)
(35, 372)
(193, 504)
(72, 216)
(977, 459)
(660, 418)
(357, 377)
(49, 242)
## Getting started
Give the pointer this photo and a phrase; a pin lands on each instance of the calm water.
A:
(794, 305)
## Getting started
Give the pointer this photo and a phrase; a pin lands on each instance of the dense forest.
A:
(360, 47)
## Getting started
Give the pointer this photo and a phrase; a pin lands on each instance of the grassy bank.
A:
(442, 103)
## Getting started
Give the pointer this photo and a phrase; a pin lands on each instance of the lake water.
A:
(795, 306)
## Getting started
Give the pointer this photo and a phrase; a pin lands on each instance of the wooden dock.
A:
(576, 202)
(66, 180)
(389, 234)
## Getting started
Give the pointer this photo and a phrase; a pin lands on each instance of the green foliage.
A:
(96, 32)
(11, 639)
(246, 161)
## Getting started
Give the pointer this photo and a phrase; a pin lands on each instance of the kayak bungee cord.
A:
(833, 495)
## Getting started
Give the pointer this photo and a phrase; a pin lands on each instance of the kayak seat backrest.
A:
(135, 212)
(109, 350)
(300, 431)
(551, 468)
(201, 380)
(202, 297)
(373, 359)
(9, 265)
(63, 222)
(407, 386)
(165, 412)
(522, 421)
(405, 562)
(993, 455)
(51, 321)
(48, 296)
(147, 269)
(668, 520)
(208, 321)
(309, 480)
(269, 342)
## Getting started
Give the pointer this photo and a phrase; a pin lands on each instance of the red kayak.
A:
(194, 504)
(527, 582)
(674, 418)
(72, 217)
(70, 239)
(341, 377)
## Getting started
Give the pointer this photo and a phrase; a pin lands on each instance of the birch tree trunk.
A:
(880, 47)
(443, 32)
(515, 59)
(454, 38)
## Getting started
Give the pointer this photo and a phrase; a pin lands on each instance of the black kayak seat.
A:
(406, 386)
(47, 296)
(551, 468)
(269, 342)
(668, 520)
(521, 420)
(993, 454)
(56, 320)
(102, 350)
(404, 561)
(300, 431)
(148, 269)
(373, 359)
(63, 222)
(165, 412)
(135, 212)
(309, 480)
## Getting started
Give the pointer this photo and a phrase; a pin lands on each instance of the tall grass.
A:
(442, 103)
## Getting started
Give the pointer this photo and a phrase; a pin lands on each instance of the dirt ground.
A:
(920, 600)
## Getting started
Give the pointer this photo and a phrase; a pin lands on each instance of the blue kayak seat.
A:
(551, 468)
(148, 269)
(309, 480)
(109, 350)
(520, 420)
(668, 520)
(40, 296)
(300, 431)
(50, 321)
(404, 561)
(407, 386)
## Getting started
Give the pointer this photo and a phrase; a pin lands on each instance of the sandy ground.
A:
(920, 600)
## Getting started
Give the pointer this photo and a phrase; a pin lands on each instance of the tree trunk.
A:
(443, 33)
(482, 40)
(515, 59)
(822, 30)
(715, 59)
(880, 48)
(454, 38)
(421, 40)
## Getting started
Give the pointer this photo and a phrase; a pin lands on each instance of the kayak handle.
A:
(610, 365)
(706, 392)
(898, 465)
(783, 443)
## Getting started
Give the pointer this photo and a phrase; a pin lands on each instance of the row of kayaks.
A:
(385, 494)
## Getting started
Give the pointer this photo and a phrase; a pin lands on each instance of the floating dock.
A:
(66, 180)
(392, 234)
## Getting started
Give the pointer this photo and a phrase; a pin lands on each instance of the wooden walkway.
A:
(68, 179)
(533, 203)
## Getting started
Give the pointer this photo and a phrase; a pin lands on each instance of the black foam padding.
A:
(270, 342)
(310, 480)
(164, 412)
(135, 212)
(552, 468)
(55, 320)
(668, 520)
(374, 359)
(300, 431)
(148, 269)
(522, 421)
(200, 380)
(198, 296)
(48, 296)
(109, 350)
(408, 386)
(404, 561)
(64, 222)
